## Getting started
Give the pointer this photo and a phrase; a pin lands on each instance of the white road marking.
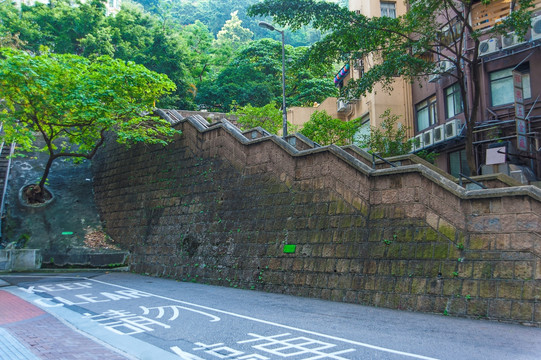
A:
(261, 321)
(176, 313)
(240, 316)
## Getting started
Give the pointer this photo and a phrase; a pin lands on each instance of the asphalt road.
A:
(154, 318)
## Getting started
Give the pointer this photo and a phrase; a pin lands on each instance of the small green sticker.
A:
(67, 233)
(289, 249)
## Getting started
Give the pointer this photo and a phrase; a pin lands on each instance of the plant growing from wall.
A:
(72, 102)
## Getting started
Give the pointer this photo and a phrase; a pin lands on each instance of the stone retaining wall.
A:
(214, 207)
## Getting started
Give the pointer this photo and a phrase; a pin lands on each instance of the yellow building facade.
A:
(371, 106)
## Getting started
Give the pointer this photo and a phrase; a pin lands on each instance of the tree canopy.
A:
(73, 102)
(410, 45)
(254, 77)
(326, 130)
(179, 39)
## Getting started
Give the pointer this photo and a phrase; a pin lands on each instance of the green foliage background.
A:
(198, 44)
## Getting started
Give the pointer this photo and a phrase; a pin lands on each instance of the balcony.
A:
(484, 17)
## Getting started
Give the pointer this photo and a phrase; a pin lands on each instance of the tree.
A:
(233, 34)
(398, 46)
(269, 117)
(73, 102)
(254, 77)
(325, 130)
(389, 139)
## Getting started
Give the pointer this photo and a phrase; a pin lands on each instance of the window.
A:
(388, 9)
(453, 101)
(426, 113)
(450, 32)
(363, 132)
(458, 163)
(501, 85)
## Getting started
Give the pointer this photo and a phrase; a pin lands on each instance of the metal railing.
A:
(6, 178)
(374, 156)
(460, 176)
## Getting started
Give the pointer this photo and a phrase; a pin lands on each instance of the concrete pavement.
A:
(29, 333)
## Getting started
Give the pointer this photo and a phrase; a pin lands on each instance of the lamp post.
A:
(268, 26)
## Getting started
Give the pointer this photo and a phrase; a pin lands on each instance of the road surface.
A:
(153, 318)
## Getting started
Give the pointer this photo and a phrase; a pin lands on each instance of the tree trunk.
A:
(36, 193)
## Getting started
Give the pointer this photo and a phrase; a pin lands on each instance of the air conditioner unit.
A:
(428, 138)
(452, 129)
(536, 28)
(511, 40)
(447, 66)
(418, 142)
(433, 77)
(488, 46)
(439, 135)
(341, 105)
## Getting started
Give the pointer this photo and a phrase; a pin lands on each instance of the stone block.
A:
(522, 311)
(407, 251)
(452, 287)
(488, 289)
(457, 306)
(425, 303)
(403, 285)
(499, 309)
(432, 219)
(370, 267)
(441, 251)
(524, 270)
(377, 250)
(370, 283)
(480, 206)
(528, 222)
(480, 242)
(503, 270)
(298, 264)
(432, 235)
(471, 288)
(510, 289)
(351, 297)
(392, 301)
(434, 287)
(407, 302)
(393, 251)
(418, 286)
(502, 241)
(384, 268)
(424, 251)
(447, 229)
(477, 307)
(537, 313)
(377, 213)
(399, 268)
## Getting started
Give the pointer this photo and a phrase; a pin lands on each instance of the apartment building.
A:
(506, 137)
(371, 106)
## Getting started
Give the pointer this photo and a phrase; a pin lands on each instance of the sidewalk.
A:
(27, 332)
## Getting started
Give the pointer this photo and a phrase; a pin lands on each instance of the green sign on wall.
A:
(289, 249)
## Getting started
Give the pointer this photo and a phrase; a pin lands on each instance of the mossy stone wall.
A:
(211, 209)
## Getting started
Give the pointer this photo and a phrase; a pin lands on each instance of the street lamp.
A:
(268, 26)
